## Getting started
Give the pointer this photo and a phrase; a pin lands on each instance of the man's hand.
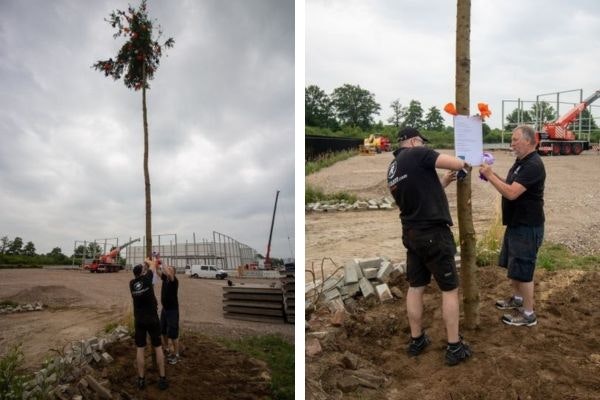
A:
(448, 178)
(152, 262)
(486, 171)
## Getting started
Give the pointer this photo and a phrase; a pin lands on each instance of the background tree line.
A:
(15, 252)
(349, 111)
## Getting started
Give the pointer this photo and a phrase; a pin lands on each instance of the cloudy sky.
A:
(221, 123)
(405, 49)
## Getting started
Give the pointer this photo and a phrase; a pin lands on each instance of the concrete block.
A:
(332, 294)
(396, 292)
(336, 304)
(366, 288)
(351, 272)
(374, 262)
(383, 292)
(96, 357)
(350, 290)
(384, 272)
(370, 273)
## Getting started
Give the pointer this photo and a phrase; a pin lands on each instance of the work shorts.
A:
(519, 251)
(430, 251)
(147, 325)
(169, 323)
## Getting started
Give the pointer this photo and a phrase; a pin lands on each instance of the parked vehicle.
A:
(206, 271)
(107, 262)
(557, 139)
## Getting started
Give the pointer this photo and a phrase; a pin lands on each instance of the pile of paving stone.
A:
(362, 277)
(385, 203)
(80, 373)
(9, 309)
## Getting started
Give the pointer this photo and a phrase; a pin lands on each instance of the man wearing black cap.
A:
(425, 216)
(146, 320)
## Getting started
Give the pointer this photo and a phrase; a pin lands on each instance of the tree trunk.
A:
(468, 271)
(146, 171)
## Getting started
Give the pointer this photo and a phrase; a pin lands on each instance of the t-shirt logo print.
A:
(392, 170)
(137, 286)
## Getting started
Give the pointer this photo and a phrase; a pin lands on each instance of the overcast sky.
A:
(405, 49)
(221, 123)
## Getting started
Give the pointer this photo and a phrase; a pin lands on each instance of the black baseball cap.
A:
(137, 270)
(408, 133)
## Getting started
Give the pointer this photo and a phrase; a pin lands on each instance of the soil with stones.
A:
(78, 305)
(559, 358)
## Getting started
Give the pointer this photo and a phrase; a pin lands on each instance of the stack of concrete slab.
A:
(366, 277)
(385, 203)
(288, 282)
(255, 302)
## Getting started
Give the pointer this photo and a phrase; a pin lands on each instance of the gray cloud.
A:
(406, 49)
(221, 123)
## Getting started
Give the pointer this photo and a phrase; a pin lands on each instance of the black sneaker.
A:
(162, 383)
(417, 345)
(456, 353)
(141, 382)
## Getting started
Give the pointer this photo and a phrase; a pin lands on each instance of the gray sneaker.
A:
(519, 319)
(510, 304)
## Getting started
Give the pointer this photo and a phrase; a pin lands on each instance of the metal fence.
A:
(314, 146)
(222, 251)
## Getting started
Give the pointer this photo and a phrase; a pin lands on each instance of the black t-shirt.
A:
(528, 208)
(142, 292)
(415, 185)
(168, 293)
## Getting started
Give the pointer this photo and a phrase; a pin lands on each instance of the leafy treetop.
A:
(140, 55)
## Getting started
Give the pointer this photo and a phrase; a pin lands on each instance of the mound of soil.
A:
(557, 359)
(51, 296)
(206, 370)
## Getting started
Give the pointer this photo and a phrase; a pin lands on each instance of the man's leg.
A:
(175, 346)
(165, 342)
(140, 361)
(450, 312)
(160, 360)
(526, 290)
(414, 308)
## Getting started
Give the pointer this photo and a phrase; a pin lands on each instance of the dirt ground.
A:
(80, 304)
(207, 370)
(557, 359)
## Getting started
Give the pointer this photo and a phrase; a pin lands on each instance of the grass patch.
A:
(488, 247)
(12, 382)
(111, 326)
(277, 353)
(8, 303)
(553, 256)
(313, 194)
(327, 160)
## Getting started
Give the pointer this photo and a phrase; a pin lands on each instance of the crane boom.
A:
(557, 139)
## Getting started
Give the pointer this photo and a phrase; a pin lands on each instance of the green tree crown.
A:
(140, 56)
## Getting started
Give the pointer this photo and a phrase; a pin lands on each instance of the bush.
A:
(12, 383)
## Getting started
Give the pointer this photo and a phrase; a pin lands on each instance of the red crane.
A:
(267, 258)
(556, 137)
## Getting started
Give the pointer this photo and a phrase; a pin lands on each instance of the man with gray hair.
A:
(523, 214)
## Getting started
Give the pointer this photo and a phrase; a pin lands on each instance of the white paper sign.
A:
(468, 138)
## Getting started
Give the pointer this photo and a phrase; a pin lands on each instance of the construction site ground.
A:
(557, 359)
(78, 305)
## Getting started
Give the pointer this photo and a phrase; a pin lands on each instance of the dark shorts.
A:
(519, 251)
(430, 251)
(147, 325)
(169, 323)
